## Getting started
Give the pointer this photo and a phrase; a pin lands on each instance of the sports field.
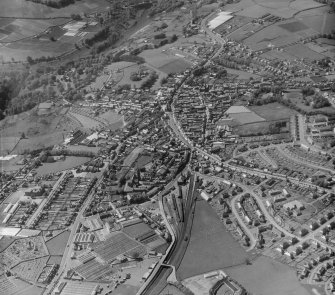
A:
(165, 61)
(210, 247)
(273, 111)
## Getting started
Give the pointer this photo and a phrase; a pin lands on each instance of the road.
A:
(69, 246)
(51, 194)
(253, 240)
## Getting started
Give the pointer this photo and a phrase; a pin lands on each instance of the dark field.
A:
(211, 247)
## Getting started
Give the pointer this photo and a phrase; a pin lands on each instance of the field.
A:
(281, 8)
(302, 51)
(273, 111)
(16, 29)
(22, 8)
(165, 62)
(143, 160)
(40, 130)
(7, 144)
(18, 35)
(318, 19)
(210, 247)
(296, 98)
(266, 276)
(277, 36)
(57, 244)
(246, 118)
(69, 163)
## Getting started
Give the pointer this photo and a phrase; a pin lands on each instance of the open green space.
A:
(23, 8)
(57, 244)
(273, 111)
(210, 247)
(266, 276)
(68, 163)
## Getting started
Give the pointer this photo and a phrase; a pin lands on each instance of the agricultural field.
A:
(39, 130)
(210, 247)
(281, 8)
(318, 19)
(22, 8)
(7, 144)
(20, 38)
(303, 51)
(16, 29)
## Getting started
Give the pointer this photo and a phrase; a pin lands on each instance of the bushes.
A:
(150, 81)
(99, 36)
(54, 3)
(160, 36)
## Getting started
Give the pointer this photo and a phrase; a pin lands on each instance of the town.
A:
(197, 157)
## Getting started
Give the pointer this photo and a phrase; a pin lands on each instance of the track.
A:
(159, 282)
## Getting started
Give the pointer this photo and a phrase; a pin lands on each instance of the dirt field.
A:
(210, 247)
(266, 276)
(273, 111)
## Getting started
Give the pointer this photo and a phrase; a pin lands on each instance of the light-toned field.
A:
(266, 276)
(87, 122)
(246, 118)
(10, 165)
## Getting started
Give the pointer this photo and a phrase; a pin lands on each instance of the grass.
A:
(210, 247)
(56, 245)
(142, 161)
(252, 128)
(273, 111)
(246, 118)
(266, 276)
(297, 99)
(7, 144)
(68, 163)
(302, 51)
(10, 8)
